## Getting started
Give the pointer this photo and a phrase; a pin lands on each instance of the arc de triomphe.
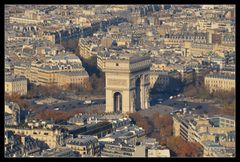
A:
(127, 83)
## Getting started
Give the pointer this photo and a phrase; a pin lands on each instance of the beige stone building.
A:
(159, 78)
(87, 46)
(219, 82)
(76, 78)
(115, 149)
(159, 66)
(55, 74)
(86, 145)
(202, 48)
(29, 17)
(127, 82)
(16, 84)
(192, 127)
(154, 152)
(25, 20)
(208, 132)
(50, 136)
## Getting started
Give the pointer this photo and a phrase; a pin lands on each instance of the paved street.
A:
(69, 105)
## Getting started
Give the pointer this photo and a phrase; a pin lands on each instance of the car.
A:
(87, 102)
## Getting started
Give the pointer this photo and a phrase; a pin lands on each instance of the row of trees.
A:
(95, 86)
(143, 122)
(53, 115)
(196, 91)
(225, 98)
(17, 99)
(62, 115)
(158, 126)
(199, 90)
(46, 91)
(183, 148)
(98, 84)
(227, 109)
(161, 127)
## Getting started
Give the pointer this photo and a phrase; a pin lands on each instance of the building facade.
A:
(16, 84)
(86, 145)
(115, 149)
(51, 136)
(219, 82)
(209, 132)
(59, 74)
(129, 92)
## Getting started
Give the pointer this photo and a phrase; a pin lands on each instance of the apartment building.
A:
(87, 47)
(86, 145)
(120, 149)
(24, 20)
(51, 135)
(205, 130)
(60, 152)
(181, 37)
(158, 152)
(219, 82)
(16, 84)
(158, 77)
(128, 134)
(60, 74)
(192, 127)
(21, 146)
(223, 121)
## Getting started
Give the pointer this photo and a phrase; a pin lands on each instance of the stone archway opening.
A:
(138, 95)
(117, 100)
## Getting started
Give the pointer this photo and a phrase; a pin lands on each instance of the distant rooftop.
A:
(221, 76)
(83, 140)
(14, 78)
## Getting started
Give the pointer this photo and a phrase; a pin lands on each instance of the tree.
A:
(162, 127)
(95, 111)
(76, 111)
(190, 91)
(183, 148)
(142, 122)
(17, 99)
(52, 114)
(98, 83)
(135, 116)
